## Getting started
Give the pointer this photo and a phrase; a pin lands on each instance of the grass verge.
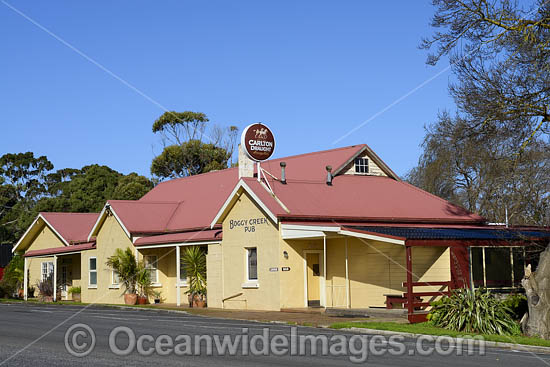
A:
(426, 328)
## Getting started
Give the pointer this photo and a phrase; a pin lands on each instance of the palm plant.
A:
(476, 311)
(194, 260)
(143, 280)
(124, 263)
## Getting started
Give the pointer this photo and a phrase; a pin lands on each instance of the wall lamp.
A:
(285, 254)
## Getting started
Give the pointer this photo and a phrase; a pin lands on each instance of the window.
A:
(252, 266)
(361, 165)
(151, 265)
(47, 270)
(115, 278)
(93, 272)
(497, 267)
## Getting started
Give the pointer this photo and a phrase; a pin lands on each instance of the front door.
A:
(313, 280)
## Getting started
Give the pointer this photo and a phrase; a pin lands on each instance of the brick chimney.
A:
(246, 165)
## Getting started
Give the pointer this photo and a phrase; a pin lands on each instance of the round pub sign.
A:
(258, 142)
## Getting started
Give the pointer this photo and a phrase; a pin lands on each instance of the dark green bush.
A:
(517, 303)
(473, 312)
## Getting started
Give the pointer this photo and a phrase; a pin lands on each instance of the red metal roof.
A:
(61, 250)
(145, 216)
(362, 198)
(73, 227)
(203, 195)
(185, 237)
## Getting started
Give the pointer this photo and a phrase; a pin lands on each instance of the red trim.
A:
(61, 250)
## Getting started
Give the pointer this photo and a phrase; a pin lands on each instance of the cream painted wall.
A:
(292, 282)
(44, 239)
(214, 280)
(109, 237)
(236, 240)
(166, 273)
(375, 268)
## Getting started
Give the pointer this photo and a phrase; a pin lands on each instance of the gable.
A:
(246, 216)
(44, 239)
(373, 168)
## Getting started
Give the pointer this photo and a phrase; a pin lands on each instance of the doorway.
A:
(313, 284)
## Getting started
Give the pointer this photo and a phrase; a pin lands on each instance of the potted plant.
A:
(45, 287)
(76, 293)
(143, 280)
(157, 296)
(194, 260)
(124, 263)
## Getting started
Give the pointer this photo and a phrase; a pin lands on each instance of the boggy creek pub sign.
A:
(258, 142)
(249, 225)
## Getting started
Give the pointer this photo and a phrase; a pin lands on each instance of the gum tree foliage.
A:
(29, 184)
(191, 146)
(492, 156)
(482, 173)
(500, 52)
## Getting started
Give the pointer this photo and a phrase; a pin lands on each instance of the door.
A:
(64, 282)
(313, 280)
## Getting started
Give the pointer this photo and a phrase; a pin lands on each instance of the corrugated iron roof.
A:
(458, 233)
(73, 227)
(368, 198)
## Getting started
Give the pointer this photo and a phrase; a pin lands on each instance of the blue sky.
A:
(311, 70)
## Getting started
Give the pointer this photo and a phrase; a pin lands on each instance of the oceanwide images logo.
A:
(80, 341)
(258, 142)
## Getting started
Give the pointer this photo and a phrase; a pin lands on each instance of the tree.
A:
(21, 185)
(28, 186)
(189, 158)
(178, 127)
(500, 52)
(186, 153)
(482, 173)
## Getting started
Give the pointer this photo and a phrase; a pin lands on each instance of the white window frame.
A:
(148, 264)
(360, 164)
(250, 283)
(49, 269)
(90, 271)
(114, 284)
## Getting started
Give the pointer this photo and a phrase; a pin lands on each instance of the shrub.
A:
(75, 290)
(517, 303)
(475, 311)
(46, 287)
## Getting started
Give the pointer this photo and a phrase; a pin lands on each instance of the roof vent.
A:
(283, 173)
(329, 175)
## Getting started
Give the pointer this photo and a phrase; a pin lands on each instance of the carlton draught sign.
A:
(258, 142)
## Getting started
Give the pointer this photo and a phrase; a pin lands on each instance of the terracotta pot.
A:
(47, 299)
(76, 297)
(142, 300)
(199, 303)
(20, 293)
(130, 299)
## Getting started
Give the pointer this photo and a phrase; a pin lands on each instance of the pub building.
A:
(333, 229)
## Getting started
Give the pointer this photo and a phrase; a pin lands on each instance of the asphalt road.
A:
(34, 335)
